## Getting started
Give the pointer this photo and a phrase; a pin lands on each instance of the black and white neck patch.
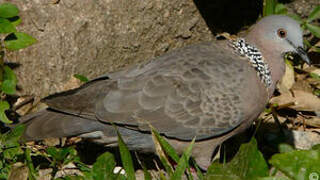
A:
(255, 58)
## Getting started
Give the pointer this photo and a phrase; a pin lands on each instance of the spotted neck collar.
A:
(255, 58)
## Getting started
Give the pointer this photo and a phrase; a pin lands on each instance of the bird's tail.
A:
(54, 124)
(49, 123)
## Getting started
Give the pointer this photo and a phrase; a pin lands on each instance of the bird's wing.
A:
(193, 92)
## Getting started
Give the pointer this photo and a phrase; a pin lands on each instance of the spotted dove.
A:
(210, 91)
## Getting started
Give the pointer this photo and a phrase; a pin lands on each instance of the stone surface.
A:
(95, 37)
(303, 7)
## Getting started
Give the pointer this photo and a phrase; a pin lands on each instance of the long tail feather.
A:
(48, 123)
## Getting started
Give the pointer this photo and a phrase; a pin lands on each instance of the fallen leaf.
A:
(45, 174)
(68, 170)
(51, 141)
(19, 172)
(313, 121)
(302, 85)
(316, 71)
(287, 81)
(23, 105)
(303, 101)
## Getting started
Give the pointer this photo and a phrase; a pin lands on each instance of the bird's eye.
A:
(282, 33)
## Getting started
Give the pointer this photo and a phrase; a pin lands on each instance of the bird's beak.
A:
(303, 54)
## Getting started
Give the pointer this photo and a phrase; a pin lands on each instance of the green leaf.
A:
(8, 10)
(6, 26)
(316, 147)
(71, 156)
(299, 164)
(12, 153)
(81, 78)
(10, 143)
(103, 168)
(316, 92)
(126, 158)
(280, 9)
(60, 155)
(315, 14)
(18, 40)
(4, 105)
(248, 163)
(315, 30)
(11, 138)
(4, 173)
(269, 7)
(183, 162)
(314, 76)
(15, 21)
(9, 83)
(285, 148)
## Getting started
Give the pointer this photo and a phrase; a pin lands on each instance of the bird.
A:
(209, 92)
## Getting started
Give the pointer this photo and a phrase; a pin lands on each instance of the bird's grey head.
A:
(280, 34)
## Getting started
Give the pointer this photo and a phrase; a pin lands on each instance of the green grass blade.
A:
(166, 146)
(315, 14)
(162, 176)
(297, 18)
(189, 174)
(147, 175)
(161, 152)
(280, 9)
(269, 7)
(183, 162)
(315, 30)
(199, 173)
(32, 171)
(126, 158)
(166, 164)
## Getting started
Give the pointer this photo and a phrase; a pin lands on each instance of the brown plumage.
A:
(209, 91)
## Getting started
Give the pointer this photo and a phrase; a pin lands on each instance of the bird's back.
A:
(201, 90)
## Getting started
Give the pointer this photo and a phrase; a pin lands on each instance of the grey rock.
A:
(95, 37)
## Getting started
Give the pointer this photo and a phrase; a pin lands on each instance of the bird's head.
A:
(279, 34)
